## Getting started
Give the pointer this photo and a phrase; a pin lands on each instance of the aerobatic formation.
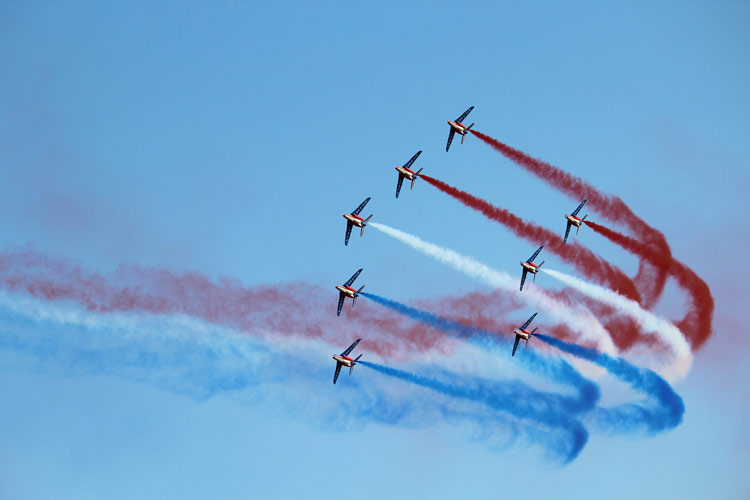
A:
(179, 331)
(606, 308)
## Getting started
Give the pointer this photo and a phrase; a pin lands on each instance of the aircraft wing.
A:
(515, 346)
(523, 278)
(361, 206)
(354, 277)
(567, 231)
(348, 232)
(575, 212)
(528, 321)
(466, 113)
(338, 370)
(350, 348)
(531, 259)
(450, 139)
(341, 304)
(409, 163)
(398, 186)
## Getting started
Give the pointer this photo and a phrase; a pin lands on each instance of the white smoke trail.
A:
(578, 318)
(649, 322)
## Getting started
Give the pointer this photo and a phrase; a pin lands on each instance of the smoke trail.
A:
(200, 360)
(649, 322)
(575, 317)
(621, 418)
(650, 280)
(557, 370)
(485, 392)
(697, 322)
(670, 405)
(582, 258)
(225, 302)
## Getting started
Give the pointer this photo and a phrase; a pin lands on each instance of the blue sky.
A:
(228, 138)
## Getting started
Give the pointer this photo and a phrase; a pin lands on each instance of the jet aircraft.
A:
(346, 290)
(528, 267)
(458, 127)
(406, 173)
(343, 359)
(573, 220)
(353, 219)
(523, 333)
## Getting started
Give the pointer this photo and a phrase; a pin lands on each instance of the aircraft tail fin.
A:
(464, 135)
(538, 267)
(530, 335)
(582, 221)
(354, 363)
(418, 171)
(354, 299)
(362, 232)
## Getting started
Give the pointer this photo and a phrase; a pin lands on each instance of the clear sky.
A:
(227, 138)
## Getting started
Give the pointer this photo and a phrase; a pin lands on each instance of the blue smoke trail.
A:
(502, 397)
(622, 418)
(555, 369)
(200, 360)
(669, 409)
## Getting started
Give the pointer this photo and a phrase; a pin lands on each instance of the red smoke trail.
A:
(586, 261)
(286, 309)
(696, 325)
(650, 279)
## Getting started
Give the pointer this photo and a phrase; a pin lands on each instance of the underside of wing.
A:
(348, 232)
(466, 113)
(361, 206)
(336, 375)
(450, 139)
(350, 348)
(523, 278)
(341, 304)
(410, 162)
(515, 346)
(528, 321)
(567, 232)
(575, 212)
(398, 186)
(354, 277)
(531, 259)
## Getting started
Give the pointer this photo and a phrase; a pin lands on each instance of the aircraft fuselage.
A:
(530, 267)
(522, 333)
(459, 127)
(344, 360)
(355, 219)
(574, 220)
(406, 172)
(347, 290)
